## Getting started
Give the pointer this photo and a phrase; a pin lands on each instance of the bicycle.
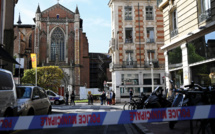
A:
(135, 104)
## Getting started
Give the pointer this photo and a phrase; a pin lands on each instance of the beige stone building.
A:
(189, 46)
(137, 38)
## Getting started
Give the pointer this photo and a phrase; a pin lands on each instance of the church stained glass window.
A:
(57, 45)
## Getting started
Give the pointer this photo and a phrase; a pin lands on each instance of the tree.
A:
(47, 77)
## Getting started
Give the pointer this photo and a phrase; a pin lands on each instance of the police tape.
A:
(107, 118)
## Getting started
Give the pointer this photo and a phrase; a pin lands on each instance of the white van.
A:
(8, 98)
(55, 98)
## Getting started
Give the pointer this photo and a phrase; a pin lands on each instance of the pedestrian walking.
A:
(72, 98)
(130, 94)
(113, 98)
(91, 99)
(67, 98)
(108, 98)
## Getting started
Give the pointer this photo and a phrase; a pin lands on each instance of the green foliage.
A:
(47, 77)
(175, 56)
(192, 55)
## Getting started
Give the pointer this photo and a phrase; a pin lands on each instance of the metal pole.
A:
(19, 59)
(152, 73)
(36, 72)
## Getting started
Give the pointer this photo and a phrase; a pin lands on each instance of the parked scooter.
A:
(157, 100)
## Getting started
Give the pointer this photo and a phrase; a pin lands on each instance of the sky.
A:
(95, 14)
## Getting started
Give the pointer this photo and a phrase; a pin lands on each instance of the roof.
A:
(58, 5)
(38, 9)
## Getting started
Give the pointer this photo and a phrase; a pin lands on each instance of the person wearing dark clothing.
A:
(67, 98)
(130, 94)
(91, 99)
(113, 98)
(102, 97)
(72, 98)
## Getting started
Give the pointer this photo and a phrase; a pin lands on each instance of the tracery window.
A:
(57, 45)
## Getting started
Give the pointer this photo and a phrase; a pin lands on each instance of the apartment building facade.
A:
(189, 47)
(135, 47)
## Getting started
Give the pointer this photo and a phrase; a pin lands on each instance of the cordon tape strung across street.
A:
(107, 118)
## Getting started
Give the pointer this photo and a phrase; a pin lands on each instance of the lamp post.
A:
(152, 75)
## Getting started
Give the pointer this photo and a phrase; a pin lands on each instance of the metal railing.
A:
(174, 33)
(134, 64)
(205, 15)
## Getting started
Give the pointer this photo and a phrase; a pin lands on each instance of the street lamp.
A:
(152, 75)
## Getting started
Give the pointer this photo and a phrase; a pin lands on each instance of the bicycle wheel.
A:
(126, 106)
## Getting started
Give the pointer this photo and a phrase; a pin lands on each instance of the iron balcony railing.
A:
(205, 15)
(128, 41)
(174, 32)
(133, 64)
(150, 40)
(129, 64)
(149, 17)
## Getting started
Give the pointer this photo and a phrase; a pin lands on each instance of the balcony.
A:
(149, 17)
(174, 33)
(129, 64)
(155, 63)
(205, 15)
(150, 40)
(112, 44)
(133, 64)
(128, 40)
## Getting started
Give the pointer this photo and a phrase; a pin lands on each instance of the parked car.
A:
(8, 98)
(55, 98)
(32, 100)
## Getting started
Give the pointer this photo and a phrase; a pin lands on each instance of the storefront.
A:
(192, 61)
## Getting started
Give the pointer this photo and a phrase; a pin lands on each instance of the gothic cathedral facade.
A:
(58, 39)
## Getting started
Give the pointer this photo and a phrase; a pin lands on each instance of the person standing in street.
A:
(102, 97)
(113, 98)
(67, 98)
(72, 98)
(111, 95)
(130, 94)
(108, 98)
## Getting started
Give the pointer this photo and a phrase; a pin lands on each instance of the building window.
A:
(173, 23)
(57, 45)
(150, 35)
(204, 9)
(58, 16)
(30, 41)
(175, 58)
(128, 35)
(130, 79)
(128, 13)
(150, 55)
(129, 59)
(147, 79)
(149, 13)
(202, 48)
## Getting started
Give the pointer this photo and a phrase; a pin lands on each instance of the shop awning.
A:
(4, 55)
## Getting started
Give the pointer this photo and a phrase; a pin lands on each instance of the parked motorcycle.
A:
(157, 99)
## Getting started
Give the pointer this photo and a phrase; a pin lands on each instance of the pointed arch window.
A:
(57, 45)
(30, 41)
